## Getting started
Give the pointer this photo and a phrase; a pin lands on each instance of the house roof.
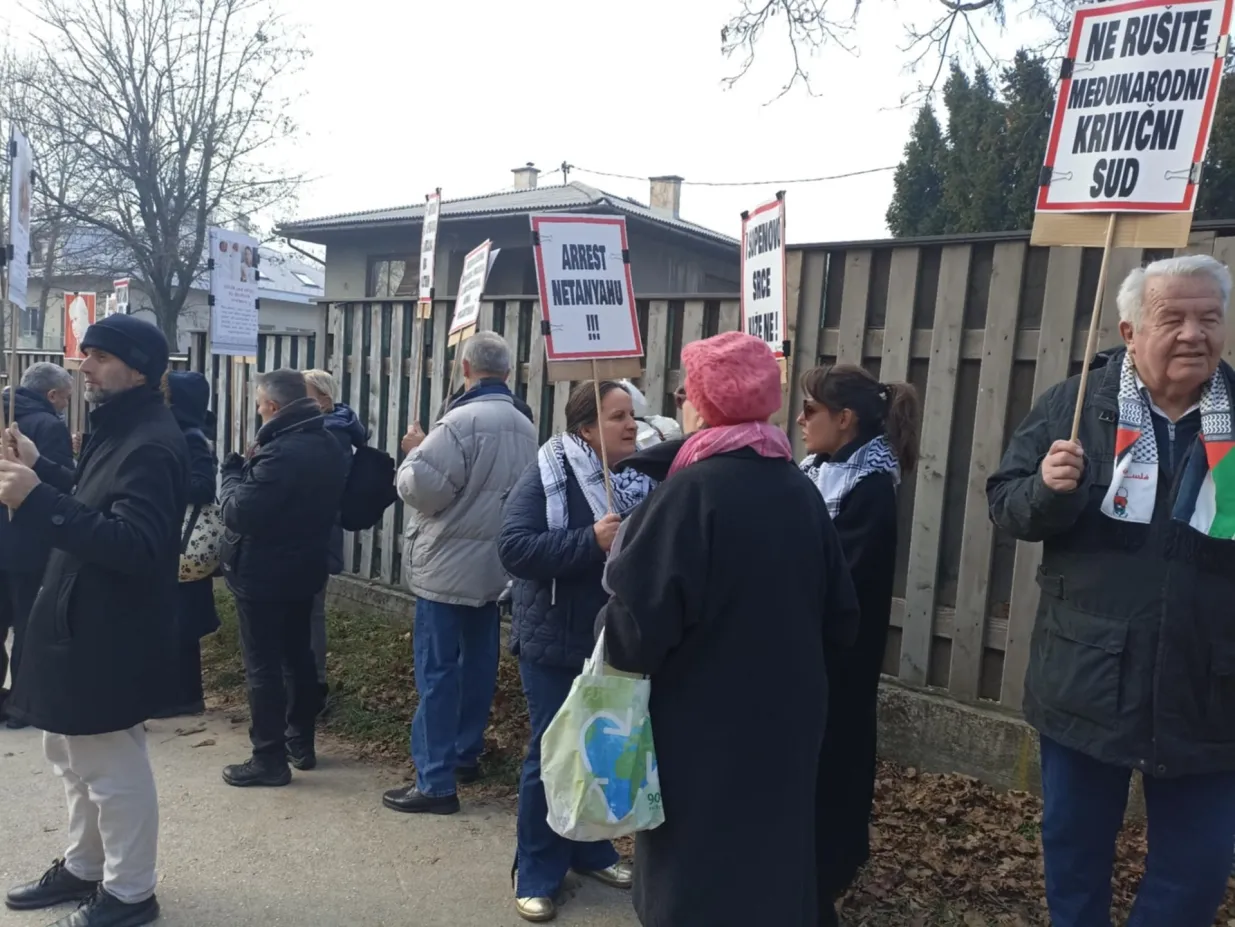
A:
(89, 252)
(573, 196)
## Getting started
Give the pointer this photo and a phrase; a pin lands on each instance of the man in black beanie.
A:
(100, 641)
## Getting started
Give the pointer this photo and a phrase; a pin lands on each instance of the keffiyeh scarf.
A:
(565, 450)
(836, 480)
(1206, 498)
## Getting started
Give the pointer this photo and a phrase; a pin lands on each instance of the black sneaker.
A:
(467, 775)
(56, 886)
(257, 773)
(409, 800)
(301, 756)
(104, 910)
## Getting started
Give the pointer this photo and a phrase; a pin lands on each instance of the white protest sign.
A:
(471, 287)
(233, 293)
(1135, 106)
(428, 245)
(586, 294)
(21, 196)
(764, 290)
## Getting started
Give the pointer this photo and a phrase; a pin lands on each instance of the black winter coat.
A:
(557, 593)
(100, 644)
(867, 524)
(279, 507)
(728, 587)
(1132, 656)
(190, 394)
(343, 425)
(23, 552)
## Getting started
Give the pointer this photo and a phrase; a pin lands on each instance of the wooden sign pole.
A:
(604, 454)
(1091, 342)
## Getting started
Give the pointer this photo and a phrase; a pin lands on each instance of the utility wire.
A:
(738, 183)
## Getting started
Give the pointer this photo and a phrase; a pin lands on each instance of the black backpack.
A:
(370, 489)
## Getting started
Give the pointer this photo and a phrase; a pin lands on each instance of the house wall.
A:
(662, 263)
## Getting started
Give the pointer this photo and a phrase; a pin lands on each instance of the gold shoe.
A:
(536, 910)
(619, 875)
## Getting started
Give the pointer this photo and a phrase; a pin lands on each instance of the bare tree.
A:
(956, 30)
(168, 111)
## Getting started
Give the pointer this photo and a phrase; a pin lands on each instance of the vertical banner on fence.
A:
(233, 293)
(764, 280)
(79, 314)
(1123, 162)
(428, 249)
(21, 193)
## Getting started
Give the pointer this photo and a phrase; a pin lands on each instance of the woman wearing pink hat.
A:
(729, 584)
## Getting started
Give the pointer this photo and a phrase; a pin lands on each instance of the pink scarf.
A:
(764, 439)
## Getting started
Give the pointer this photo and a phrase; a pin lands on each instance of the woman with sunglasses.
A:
(861, 435)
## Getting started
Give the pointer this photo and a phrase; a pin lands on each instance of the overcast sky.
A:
(401, 98)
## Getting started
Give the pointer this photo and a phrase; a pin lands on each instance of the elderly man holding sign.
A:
(1132, 660)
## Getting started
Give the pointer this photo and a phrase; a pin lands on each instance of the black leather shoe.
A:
(409, 800)
(104, 910)
(467, 775)
(56, 886)
(302, 757)
(257, 773)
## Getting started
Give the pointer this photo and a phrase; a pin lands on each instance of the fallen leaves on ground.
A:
(946, 850)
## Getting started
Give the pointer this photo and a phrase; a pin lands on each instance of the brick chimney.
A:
(666, 195)
(525, 177)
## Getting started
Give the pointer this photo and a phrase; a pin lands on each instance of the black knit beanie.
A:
(139, 344)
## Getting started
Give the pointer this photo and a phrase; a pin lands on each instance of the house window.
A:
(386, 274)
(31, 322)
(304, 278)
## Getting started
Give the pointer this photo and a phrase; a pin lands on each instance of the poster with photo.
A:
(21, 193)
(79, 315)
(233, 293)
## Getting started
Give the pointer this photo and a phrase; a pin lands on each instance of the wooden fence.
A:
(980, 327)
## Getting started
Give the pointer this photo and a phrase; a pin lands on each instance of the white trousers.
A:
(113, 809)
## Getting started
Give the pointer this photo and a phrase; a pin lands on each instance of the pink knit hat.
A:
(731, 379)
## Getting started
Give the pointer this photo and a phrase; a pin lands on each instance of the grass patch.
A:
(369, 665)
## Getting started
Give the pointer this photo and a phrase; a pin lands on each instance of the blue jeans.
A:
(455, 649)
(543, 858)
(1191, 828)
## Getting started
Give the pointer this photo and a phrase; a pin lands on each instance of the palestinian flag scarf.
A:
(1206, 497)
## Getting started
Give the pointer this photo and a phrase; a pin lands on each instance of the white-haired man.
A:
(1132, 661)
(456, 479)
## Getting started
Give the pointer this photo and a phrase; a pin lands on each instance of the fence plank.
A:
(1055, 343)
(994, 381)
(692, 321)
(239, 381)
(1224, 251)
(729, 316)
(511, 334)
(374, 404)
(853, 304)
(898, 315)
(394, 433)
(223, 397)
(441, 374)
(356, 363)
(808, 275)
(416, 367)
(657, 351)
(933, 466)
(561, 393)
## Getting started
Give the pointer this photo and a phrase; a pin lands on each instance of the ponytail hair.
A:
(890, 409)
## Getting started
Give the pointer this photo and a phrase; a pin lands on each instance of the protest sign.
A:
(79, 315)
(587, 298)
(763, 274)
(21, 195)
(121, 288)
(428, 248)
(1132, 118)
(471, 288)
(233, 293)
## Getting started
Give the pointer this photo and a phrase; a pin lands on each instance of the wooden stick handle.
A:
(604, 454)
(1091, 342)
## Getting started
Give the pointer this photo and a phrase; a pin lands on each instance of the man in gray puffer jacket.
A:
(455, 480)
